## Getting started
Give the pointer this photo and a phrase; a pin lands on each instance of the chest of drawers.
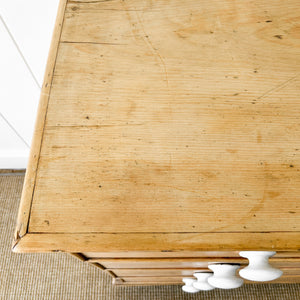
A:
(167, 138)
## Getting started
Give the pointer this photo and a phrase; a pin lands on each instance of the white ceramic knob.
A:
(201, 283)
(259, 268)
(188, 287)
(224, 276)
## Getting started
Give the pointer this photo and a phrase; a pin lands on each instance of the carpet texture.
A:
(61, 276)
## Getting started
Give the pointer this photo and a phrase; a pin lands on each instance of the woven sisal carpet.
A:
(60, 276)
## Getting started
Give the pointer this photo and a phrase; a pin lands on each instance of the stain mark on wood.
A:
(279, 36)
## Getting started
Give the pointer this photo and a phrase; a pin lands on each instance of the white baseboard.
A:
(13, 159)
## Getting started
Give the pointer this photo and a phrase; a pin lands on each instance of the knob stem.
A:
(201, 283)
(224, 276)
(188, 287)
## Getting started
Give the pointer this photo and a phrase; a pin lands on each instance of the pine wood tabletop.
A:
(167, 126)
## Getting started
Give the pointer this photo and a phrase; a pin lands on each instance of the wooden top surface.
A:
(174, 124)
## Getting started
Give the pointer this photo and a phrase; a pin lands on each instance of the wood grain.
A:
(139, 280)
(121, 175)
(171, 263)
(178, 272)
(126, 242)
(31, 171)
(157, 272)
(167, 126)
(170, 254)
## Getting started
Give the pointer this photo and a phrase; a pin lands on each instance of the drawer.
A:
(174, 263)
(154, 280)
(176, 272)
(156, 272)
(176, 254)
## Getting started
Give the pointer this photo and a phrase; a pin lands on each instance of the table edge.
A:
(207, 241)
(32, 166)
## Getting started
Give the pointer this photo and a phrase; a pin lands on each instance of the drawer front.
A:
(156, 272)
(152, 280)
(185, 263)
(177, 254)
(177, 272)
(163, 263)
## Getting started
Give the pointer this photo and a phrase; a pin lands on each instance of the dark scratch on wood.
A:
(278, 87)
(93, 43)
(154, 50)
(89, 2)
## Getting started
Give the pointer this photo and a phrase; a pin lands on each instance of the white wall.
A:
(25, 35)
